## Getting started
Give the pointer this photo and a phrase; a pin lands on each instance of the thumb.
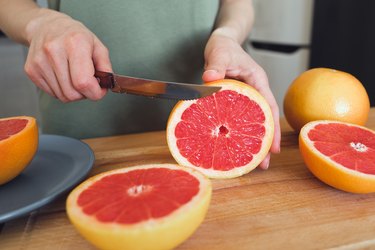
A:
(215, 69)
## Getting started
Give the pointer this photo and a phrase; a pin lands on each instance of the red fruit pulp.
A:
(138, 195)
(222, 131)
(11, 127)
(350, 146)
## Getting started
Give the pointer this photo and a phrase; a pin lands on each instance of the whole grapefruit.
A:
(325, 94)
(18, 145)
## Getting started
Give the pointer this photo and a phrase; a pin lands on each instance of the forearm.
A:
(235, 19)
(15, 16)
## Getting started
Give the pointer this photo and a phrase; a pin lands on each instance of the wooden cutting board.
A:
(284, 207)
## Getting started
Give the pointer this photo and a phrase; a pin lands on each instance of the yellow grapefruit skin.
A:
(329, 171)
(16, 149)
(234, 134)
(325, 94)
(161, 233)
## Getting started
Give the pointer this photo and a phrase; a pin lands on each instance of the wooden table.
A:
(284, 207)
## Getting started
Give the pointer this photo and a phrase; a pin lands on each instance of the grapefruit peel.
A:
(18, 145)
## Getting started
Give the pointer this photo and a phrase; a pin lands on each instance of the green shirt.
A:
(162, 40)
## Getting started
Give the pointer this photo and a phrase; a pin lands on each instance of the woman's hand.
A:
(63, 55)
(225, 58)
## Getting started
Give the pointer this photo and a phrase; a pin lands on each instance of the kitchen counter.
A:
(285, 207)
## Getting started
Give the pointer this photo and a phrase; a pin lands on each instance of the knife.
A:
(153, 88)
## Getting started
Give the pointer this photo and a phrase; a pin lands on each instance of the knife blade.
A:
(152, 88)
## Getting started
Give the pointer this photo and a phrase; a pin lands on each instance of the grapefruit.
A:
(18, 145)
(340, 154)
(325, 94)
(142, 207)
(223, 135)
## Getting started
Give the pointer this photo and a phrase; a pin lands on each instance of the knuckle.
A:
(96, 97)
(50, 47)
(76, 39)
(32, 72)
(36, 62)
(29, 69)
(72, 96)
(82, 84)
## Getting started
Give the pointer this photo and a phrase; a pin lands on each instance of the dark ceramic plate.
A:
(59, 164)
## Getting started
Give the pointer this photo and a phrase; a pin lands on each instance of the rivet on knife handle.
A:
(105, 79)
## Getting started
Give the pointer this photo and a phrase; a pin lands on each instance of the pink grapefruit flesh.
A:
(138, 195)
(11, 127)
(224, 135)
(350, 146)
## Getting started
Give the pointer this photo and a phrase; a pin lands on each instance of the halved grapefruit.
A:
(340, 154)
(223, 135)
(18, 145)
(143, 207)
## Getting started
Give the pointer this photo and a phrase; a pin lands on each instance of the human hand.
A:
(225, 58)
(63, 55)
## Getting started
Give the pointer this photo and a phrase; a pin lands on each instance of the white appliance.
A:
(280, 41)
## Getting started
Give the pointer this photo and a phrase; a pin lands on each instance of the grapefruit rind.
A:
(325, 94)
(18, 150)
(240, 88)
(161, 233)
(329, 171)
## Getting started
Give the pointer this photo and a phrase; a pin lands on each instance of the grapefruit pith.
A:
(143, 207)
(340, 154)
(223, 135)
(18, 145)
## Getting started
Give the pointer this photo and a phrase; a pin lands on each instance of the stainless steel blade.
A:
(152, 88)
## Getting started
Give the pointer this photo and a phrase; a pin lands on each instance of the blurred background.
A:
(289, 37)
(18, 96)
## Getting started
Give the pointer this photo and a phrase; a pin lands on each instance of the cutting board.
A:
(284, 207)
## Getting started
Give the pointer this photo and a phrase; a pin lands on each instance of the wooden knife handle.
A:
(105, 79)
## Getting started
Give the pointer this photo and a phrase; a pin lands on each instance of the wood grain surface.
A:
(284, 207)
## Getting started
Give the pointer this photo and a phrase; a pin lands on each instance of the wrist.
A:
(36, 19)
(34, 22)
(226, 32)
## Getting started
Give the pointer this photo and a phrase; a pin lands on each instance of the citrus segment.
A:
(340, 154)
(325, 94)
(18, 145)
(143, 207)
(224, 135)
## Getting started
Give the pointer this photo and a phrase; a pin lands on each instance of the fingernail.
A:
(267, 165)
(211, 71)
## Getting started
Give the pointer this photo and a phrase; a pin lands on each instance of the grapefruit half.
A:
(143, 207)
(223, 135)
(18, 145)
(340, 154)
